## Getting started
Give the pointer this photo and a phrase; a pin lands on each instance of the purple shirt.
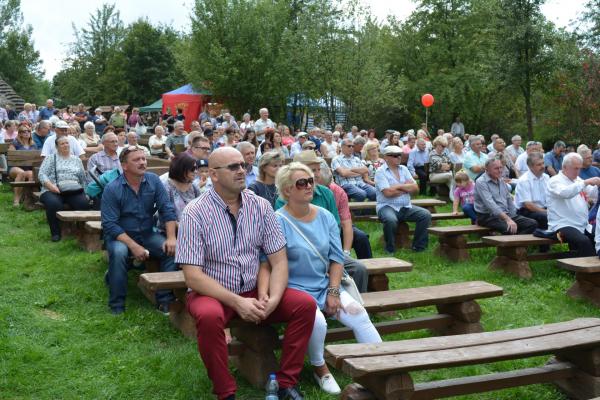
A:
(465, 194)
(227, 248)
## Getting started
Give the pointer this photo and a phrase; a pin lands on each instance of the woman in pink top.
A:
(286, 136)
(10, 131)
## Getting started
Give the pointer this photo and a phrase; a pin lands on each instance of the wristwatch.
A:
(347, 252)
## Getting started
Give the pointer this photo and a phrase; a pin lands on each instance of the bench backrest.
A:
(24, 158)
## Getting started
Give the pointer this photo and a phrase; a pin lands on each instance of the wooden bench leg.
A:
(586, 286)
(403, 239)
(585, 384)
(29, 202)
(180, 317)
(90, 241)
(257, 360)
(378, 283)
(466, 318)
(453, 248)
(67, 229)
(512, 260)
(390, 387)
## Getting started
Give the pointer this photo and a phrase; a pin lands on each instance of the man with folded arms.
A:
(219, 257)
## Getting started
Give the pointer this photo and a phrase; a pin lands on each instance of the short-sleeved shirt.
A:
(531, 189)
(45, 113)
(341, 201)
(173, 139)
(465, 194)
(346, 162)
(103, 162)
(589, 172)
(596, 156)
(307, 271)
(49, 147)
(227, 248)
(384, 179)
(551, 160)
(493, 197)
(471, 160)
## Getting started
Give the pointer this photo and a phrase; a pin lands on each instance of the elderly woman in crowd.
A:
(329, 148)
(179, 183)
(440, 166)
(371, 160)
(23, 141)
(457, 156)
(315, 260)
(246, 123)
(91, 138)
(264, 185)
(63, 181)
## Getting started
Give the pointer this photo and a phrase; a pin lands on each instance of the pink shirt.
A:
(465, 194)
(341, 201)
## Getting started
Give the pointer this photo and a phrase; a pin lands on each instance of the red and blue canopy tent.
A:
(187, 99)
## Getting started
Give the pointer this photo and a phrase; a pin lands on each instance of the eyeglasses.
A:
(304, 182)
(348, 145)
(201, 148)
(234, 167)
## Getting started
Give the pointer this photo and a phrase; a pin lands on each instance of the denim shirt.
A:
(124, 211)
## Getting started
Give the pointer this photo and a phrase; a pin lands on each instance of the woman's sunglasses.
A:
(304, 182)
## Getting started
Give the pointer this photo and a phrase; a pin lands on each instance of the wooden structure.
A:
(383, 370)
(512, 256)
(587, 277)
(253, 349)
(30, 159)
(429, 204)
(453, 240)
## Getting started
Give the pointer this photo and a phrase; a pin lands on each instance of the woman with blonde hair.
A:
(315, 263)
(23, 141)
(371, 160)
(440, 166)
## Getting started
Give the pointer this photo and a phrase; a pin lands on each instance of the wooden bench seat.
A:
(29, 159)
(73, 222)
(587, 277)
(512, 256)
(254, 346)
(383, 370)
(453, 240)
(429, 204)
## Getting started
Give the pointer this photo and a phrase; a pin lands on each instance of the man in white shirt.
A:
(515, 150)
(530, 194)
(262, 123)
(61, 130)
(568, 206)
(521, 163)
(296, 147)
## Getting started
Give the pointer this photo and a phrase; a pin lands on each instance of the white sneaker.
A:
(328, 384)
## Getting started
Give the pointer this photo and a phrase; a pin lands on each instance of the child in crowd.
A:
(464, 193)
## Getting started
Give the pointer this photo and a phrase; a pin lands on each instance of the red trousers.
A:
(296, 308)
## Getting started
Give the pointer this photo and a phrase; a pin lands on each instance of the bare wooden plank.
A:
(93, 226)
(78, 216)
(581, 264)
(457, 230)
(516, 240)
(370, 205)
(429, 295)
(491, 382)
(386, 264)
(336, 353)
(485, 353)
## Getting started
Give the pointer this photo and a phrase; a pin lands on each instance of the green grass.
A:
(58, 341)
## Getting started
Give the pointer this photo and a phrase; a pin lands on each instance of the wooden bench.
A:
(73, 222)
(512, 256)
(383, 370)
(429, 204)
(587, 277)
(3, 151)
(91, 238)
(30, 159)
(254, 345)
(453, 240)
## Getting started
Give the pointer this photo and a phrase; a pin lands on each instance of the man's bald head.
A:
(220, 156)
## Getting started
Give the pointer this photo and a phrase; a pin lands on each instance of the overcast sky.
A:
(52, 23)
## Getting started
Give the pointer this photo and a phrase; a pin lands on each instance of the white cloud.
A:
(52, 31)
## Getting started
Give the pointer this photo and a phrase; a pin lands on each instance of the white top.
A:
(597, 234)
(154, 140)
(521, 163)
(567, 204)
(532, 189)
(332, 149)
(50, 147)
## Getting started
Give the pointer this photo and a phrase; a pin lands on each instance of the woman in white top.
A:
(248, 123)
(329, 148)
(91, 138)
(457, 155)
(157, 141)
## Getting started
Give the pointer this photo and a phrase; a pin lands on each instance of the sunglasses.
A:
(234, 167)
(304, 182)
(202, 148)
(394, 155)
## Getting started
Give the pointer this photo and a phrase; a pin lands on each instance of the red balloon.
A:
(427, 100)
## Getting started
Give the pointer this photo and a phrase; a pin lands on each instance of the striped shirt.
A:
(227, 248)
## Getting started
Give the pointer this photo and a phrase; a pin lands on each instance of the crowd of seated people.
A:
(277, 252)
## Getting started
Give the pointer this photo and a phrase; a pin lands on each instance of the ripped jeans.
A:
(354, 317)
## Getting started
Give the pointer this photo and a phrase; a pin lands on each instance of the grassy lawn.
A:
(58, 341)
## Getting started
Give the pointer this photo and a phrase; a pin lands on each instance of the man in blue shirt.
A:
(394, 185)
(48, 111)
(587, 169)
(41, 134)
(128, 206)
(417, 158)
(553, 159)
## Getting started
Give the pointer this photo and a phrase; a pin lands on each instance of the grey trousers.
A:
(358, 272)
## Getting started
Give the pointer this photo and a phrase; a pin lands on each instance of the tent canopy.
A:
(188, 89)
(187, 99)
(154, 107)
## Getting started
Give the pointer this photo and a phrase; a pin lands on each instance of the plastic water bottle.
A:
(272, 388)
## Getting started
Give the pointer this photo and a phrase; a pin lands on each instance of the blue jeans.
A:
(469, 210)
(119, 262)
(359, 191)
(390, 219)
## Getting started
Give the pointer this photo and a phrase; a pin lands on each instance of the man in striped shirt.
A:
(220, 260)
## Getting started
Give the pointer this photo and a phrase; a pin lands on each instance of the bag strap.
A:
(55, 171)
(314, 249)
